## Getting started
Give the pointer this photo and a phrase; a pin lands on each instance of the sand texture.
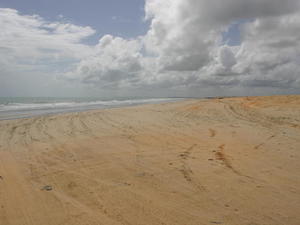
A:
(229, 161)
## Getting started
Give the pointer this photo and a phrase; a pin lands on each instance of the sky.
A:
(151, 48)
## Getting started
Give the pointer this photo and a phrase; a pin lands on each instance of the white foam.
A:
(72, 104)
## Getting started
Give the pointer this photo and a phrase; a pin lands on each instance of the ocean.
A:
(24, 107)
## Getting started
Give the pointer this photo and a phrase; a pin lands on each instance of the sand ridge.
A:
(231, 161)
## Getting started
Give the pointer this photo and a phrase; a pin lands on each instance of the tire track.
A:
(186, 170)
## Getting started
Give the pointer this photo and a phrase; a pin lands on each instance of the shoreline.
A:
(58, 111)
(62, 111)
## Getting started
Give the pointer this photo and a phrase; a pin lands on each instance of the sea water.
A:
(23, 107)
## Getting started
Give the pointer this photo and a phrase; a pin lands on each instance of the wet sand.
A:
(231, 161)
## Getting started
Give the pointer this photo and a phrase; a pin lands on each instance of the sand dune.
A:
(231, 161)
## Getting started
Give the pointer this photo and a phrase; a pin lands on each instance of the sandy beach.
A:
(229, 161)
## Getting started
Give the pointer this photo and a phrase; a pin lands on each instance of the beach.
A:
(230, 161)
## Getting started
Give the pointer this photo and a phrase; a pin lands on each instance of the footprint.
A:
(212, 132)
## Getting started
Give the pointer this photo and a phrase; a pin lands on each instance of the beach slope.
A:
(231, 161)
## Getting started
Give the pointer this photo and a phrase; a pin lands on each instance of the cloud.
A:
(186, 37)
(270, 52)
(182, 49)
(115, 61)
(29, 42)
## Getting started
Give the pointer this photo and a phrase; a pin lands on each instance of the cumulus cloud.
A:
(270, 52)
(115, 62)
(186, 35)
(182, 49)
(176, 36)
(28, 42)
